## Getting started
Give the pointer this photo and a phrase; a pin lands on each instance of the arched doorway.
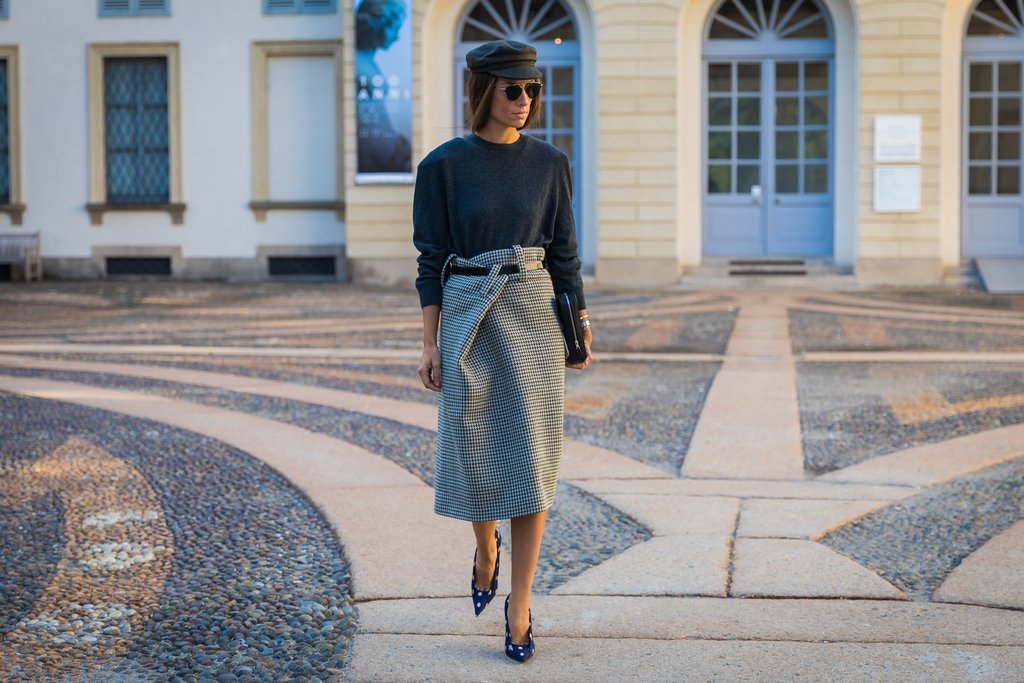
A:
(768, 129)
(993, 221)
(550, 26)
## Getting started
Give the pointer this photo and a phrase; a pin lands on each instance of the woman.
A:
(493, 223)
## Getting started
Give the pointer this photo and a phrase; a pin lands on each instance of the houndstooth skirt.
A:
(499, 436)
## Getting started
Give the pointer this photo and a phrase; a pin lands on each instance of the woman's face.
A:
(510, 113)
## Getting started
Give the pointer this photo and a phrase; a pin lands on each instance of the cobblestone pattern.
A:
(916, 543)
(706, 332)
(814, 331)
(965, 298)
(850, 412)
(258, 585)
(582, 531)
(646, 411)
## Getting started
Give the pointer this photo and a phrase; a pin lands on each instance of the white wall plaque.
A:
(897, 189)
(897, 138)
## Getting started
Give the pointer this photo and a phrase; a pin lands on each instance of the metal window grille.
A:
(302, 266)
(5, 138)
(138, 266)
(300, 6)
(137, 130)
(134, 8)
(5, 9)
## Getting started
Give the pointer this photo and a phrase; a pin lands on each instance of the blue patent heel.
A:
(483, 598)
(520, 653)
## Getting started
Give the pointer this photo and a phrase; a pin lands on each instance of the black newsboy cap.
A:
(506, 58)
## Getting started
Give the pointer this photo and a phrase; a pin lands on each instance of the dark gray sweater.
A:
(474, 196)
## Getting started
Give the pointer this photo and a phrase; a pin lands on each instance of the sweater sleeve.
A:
(563, 259)
(431, 231)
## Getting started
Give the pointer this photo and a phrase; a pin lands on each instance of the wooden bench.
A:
(22, 249)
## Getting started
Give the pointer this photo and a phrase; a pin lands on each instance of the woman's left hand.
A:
(587, 338)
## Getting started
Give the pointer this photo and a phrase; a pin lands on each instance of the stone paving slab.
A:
(680, 515)
(795, 568)
(935, 463)
(807, 620)
(804, 519)
(388, 559)
(991, 575)
(413, 658)
(664, 565)
(748, 488)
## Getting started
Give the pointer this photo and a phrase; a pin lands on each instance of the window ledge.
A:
(15, 211)
(261, 207)
(176, 209)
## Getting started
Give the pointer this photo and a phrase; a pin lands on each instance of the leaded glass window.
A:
(5, 138)
(753, 19)
(137, 130)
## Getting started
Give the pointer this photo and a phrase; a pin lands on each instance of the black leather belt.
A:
(507, 269)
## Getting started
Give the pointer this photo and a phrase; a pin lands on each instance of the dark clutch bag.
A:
(572, 331)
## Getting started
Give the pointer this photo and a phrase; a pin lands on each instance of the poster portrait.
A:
(383, 65)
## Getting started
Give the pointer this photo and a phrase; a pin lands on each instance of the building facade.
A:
(218, 139)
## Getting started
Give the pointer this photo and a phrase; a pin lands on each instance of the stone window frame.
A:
(262, 52)
(98, 205)
(15, 207)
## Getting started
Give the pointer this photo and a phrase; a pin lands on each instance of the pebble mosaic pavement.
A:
(136, 548)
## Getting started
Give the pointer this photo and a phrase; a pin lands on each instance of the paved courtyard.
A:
(233, 482)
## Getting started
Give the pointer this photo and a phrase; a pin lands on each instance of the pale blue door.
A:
(993, 199)
(768, 130)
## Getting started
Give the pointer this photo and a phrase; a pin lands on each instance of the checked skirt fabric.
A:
(499, 436)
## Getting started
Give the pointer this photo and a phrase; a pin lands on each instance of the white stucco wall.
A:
(216, 93)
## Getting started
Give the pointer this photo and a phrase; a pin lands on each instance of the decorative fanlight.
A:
(754, 19)
(528, 21)
(997, 19)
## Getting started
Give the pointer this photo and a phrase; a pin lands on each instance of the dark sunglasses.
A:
(512, 92)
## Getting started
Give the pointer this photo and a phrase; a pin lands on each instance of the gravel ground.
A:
(706, 332)
(646, 411)
(582, 531)
(256, 585)
(916, 543)
(847, 410)
(813, 331)
(964, 297)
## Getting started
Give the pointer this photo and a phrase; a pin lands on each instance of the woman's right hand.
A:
(430, 368)
(430, 364)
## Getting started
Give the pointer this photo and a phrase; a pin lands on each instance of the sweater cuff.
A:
(430, 296)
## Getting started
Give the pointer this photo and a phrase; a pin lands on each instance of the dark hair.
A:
(373, 19)
(478, 105)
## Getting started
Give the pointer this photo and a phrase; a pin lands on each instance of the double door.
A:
(768, 157)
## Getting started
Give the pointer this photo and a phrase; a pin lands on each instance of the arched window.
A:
(759, 19)
(528, 21)
(993, 116)
(997, 19)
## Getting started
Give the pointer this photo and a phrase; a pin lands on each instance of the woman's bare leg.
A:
(527, 533)
(486, 554)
